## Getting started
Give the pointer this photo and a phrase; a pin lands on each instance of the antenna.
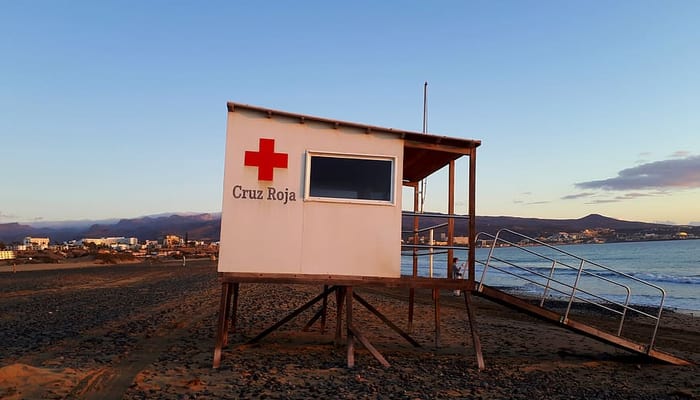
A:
(424, 182)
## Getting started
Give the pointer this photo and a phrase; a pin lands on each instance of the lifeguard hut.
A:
(328, 194)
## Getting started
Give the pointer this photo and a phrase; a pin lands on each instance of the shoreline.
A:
(176, 262)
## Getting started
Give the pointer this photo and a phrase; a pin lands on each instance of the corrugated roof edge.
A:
(413, 136)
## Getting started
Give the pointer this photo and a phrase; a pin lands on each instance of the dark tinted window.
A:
(351, 178)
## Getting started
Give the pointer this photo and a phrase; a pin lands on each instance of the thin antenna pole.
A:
(425, 107)
(424, 182)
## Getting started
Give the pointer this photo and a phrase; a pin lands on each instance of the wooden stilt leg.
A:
(228, 322)
(436, 302)
(472, 324)
(221, 327)
(234, 310)
(339, 299)
(348, 325)
(411, 301)
(324, 309)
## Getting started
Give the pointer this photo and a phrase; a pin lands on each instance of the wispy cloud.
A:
(7, 216)
(578, 196)
(529, 203)
(673, 173)
(635, 195)
(680, 154)
(603, 201)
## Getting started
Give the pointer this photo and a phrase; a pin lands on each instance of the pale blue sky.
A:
(117, 109)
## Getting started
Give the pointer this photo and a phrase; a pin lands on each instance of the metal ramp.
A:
(554, 276)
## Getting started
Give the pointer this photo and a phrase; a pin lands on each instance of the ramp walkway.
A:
(560, 287)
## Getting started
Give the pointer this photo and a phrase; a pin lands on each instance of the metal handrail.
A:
(579, 270)
(575, 287)
(427, 228)
(429, 214)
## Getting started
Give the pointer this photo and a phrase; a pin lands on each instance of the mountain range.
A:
(207, 227)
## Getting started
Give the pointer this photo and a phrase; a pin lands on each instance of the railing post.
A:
(432, 243)
(549, 279)
(573, 291)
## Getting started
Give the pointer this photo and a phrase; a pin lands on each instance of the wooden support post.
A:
(325, 309)
(411, 301)
(450, 220)
(472, 325)
(471, 258)
(223, 320)
(233, 311)
(416, 226)
(436, 303)
(339, 299)
(348, 325)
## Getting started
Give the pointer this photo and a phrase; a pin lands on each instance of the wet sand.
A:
(141, 331)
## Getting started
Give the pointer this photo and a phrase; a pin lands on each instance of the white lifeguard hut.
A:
(326, 196)
(317, 201)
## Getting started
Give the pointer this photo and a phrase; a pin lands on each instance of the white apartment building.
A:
(36, 243)
(120, 241)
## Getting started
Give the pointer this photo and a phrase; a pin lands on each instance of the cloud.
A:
(635, 195)
(603, 201)
(578, 196)
(538, 202)
(675, 173)
(7, 216)
(680, 154)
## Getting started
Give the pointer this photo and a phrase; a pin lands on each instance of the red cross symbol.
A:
(265, 159)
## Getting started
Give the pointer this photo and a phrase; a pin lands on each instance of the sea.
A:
(650, 273)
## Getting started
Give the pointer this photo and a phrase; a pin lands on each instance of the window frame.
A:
(329, 154)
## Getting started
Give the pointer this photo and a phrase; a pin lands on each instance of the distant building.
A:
(36, 243)
(115, 242)
(7, 255)
(461, 240)
(172, 241)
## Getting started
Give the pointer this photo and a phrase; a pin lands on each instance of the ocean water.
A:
(673, 266)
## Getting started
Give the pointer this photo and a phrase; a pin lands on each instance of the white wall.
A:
(307, 237)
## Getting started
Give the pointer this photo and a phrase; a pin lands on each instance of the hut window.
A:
(342, 176)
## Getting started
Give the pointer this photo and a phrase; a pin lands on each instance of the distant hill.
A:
(536, 227)
(208, 226)
(196, 227)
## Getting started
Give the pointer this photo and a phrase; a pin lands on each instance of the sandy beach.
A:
(139, 331)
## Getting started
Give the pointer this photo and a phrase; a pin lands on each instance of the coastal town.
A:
(111, 250)
(107, 250)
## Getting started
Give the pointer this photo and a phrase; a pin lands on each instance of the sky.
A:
(117, 109)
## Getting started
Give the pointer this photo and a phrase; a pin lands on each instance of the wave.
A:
(650, 277)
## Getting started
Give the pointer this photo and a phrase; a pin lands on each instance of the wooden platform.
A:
(342, 287)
